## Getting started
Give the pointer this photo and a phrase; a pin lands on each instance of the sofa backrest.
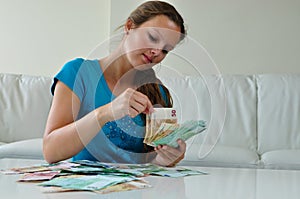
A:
(278, 113)
(24, 104)
(237, 142)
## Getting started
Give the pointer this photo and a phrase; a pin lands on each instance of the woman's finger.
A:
(163, 158)
(176, 151)
(171, 156)
(140, 103)
(182, 145)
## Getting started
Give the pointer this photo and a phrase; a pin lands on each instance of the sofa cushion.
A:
(193, 101)
(278, 112)
(281, 159)
(222, 156)
(24, 103)
(31, 149)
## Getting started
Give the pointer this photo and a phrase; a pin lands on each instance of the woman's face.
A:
(149, 43)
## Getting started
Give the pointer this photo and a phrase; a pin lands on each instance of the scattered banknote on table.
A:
(99, 177)
(125, 186)
(86, 182)
(40, 168)
(39, 176)
(162, 128)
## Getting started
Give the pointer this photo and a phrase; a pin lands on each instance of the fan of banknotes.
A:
(162, 128)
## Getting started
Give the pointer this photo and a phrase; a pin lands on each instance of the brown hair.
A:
(150, 9)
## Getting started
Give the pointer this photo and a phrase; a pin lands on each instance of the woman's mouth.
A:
(147, 59)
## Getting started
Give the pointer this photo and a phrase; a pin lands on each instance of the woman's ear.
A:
(128, 26)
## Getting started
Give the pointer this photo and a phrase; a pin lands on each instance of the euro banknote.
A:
(162, 128)
(159, 121)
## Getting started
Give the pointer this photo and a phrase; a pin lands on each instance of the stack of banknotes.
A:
(162, 128)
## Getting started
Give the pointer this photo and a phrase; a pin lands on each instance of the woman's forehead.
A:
(166, 28)
(161, 21)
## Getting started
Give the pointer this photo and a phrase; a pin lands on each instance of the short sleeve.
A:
(70, 76)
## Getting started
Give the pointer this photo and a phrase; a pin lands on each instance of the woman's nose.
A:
(155, 51)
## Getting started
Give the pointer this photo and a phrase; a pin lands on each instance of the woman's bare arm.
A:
(64, 137)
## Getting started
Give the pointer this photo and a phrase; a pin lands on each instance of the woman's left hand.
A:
(169, 156)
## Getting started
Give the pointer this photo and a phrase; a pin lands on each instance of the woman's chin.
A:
(145, 66)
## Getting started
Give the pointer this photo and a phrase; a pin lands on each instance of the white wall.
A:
(242, 36)
(38, 36)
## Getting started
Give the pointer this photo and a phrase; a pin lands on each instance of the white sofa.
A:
(261, 127)
(24, 103)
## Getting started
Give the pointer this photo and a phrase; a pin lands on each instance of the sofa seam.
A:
(256, 118)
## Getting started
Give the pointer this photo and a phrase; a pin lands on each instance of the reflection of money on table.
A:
(162, 128)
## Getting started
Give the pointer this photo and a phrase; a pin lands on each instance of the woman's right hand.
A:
(130, 102)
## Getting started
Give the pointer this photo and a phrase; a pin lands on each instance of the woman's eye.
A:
(165, 51)
(152, 38)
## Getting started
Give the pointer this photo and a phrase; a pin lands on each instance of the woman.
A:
(99, 106)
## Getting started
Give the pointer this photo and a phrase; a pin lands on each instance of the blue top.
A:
(118, 141)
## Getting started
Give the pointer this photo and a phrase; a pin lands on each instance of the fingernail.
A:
(151, 110)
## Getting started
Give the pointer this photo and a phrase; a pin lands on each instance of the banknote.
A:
(40, 168)
(185, 131)
(104, 171)
(126, 186)
(38, 176)
(162, 128)
(94, 163)
(86, 182)
(158, 123)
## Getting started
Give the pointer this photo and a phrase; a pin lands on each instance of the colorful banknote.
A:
(162, 128)
(160, 118)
